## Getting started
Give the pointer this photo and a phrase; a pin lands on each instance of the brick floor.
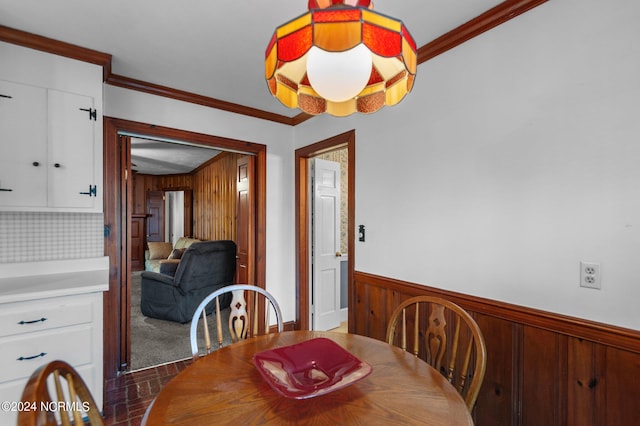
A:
(128, 396)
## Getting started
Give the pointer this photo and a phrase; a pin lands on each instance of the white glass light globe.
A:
(339, 76)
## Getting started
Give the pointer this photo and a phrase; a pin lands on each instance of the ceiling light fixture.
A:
(339, 58)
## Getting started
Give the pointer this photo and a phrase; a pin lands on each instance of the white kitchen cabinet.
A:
(23, 149)
(47, 158)
(51, 310)
(72, 151)
(50, 132)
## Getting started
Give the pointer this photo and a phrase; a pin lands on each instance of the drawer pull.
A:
(32, 321)
(26, 358)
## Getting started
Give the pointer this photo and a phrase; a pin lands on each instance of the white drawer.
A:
(26, 317)
(10, 392)
(22, 354)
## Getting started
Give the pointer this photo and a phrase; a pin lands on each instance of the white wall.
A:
(515, 157)
(145, 108)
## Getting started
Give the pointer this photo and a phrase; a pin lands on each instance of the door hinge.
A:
(93, 113)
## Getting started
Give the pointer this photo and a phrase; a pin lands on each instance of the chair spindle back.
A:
(448, 329)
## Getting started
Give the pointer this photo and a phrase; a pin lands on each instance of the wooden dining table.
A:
(225, 387)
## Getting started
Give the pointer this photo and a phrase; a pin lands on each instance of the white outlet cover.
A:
(590, 276)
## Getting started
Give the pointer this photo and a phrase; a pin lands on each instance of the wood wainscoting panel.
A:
(542, 368)
(498, 399)
(584, 391)
(621, 387)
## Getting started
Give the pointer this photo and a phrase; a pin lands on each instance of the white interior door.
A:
(325, 280)
(174, 215)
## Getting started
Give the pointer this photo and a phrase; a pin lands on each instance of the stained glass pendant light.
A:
(339, 58)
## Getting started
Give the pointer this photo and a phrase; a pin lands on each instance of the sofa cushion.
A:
(184, 242)
(159, 250)
(177, 253)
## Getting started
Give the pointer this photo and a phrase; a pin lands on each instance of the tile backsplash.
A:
(38, 236)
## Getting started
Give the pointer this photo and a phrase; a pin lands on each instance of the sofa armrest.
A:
(157, 277)
(169, 266)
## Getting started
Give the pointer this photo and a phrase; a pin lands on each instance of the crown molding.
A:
(493, 17)
(33, 41)
(168, 92)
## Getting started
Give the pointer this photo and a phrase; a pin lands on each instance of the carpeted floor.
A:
(154, 341)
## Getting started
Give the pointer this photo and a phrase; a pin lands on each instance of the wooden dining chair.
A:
(249, 316)
(72, 403)
(444, 335)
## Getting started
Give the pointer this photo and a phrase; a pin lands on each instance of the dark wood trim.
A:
(114, 219)
(302, 202)
(44, 44)
(113, 249)
(610, 335)
(493, 17)
(181, 95)
(220, 142)
(301, 118)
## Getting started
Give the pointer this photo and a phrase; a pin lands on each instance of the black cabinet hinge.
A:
(93, 191)
(93, 113)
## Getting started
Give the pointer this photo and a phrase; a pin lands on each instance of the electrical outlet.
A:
(590, 275)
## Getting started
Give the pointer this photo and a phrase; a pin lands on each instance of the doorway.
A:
(117, 219)
(303, 219)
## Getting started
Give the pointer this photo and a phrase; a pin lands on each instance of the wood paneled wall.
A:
(214, 195)
(214, 199)
(542, 368)
(143, 183)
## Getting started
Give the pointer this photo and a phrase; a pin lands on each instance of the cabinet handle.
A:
(26, 358)
(56, 165)
(36, 164)
(5, 96)
(6, 189)
(43, 319)
(93, 191)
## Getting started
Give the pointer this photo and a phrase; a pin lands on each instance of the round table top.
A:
(226, 387)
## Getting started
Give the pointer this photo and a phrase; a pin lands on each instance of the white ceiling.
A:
(155, 157)
(212, 48)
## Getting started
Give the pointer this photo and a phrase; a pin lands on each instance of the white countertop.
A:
(36, 280)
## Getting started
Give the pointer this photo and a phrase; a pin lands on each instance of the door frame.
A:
(116, 221)
(302, 221)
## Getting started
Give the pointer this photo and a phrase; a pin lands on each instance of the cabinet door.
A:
(23, 145)
(71, 151)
